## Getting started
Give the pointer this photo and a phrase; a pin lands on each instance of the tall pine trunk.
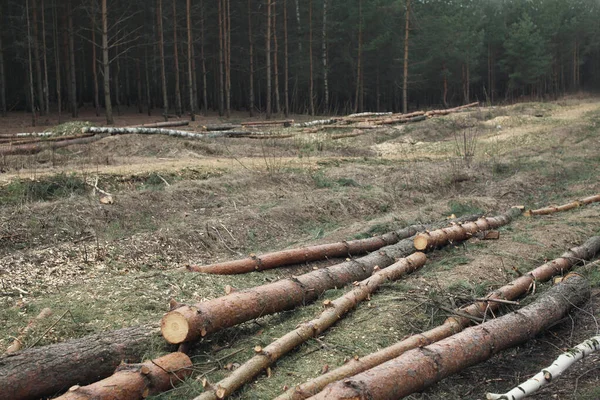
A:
(94, 65)
(31, 91)
(286, 57)
(324, 55)
(310, 61)
(227, 18)
(106, 65)
(299, 26)
(36, 58)
(275, 61)
(204, 83)
(405, 75)
(176, 59)
(45, 59)
(138, 78)
(57, 61)
(191, 71)
(161, 49)
(251, 60)
(268, 47)
(73, 94)
(357, 96)
(3, 108)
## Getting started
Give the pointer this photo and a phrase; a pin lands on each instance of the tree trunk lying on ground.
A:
(190, 323)
(419, 368)
(564, 207)
(459, 232)
(41, 146)
(450, 110)
(37, 139)
(167, 124)
(136, 381)
(547, 375)
(368, 114)
(452, 325)
(44, 371)
(17, 344)
(309, 253)
(333, 312)
(287, 122)
(168, 132)
(226, 127)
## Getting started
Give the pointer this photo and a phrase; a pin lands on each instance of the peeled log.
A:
(190, 323)
(419, 368)
(452, 325)
(458, 232)
(44, 371)
(308, 254)
(333, 312)
(136, 381)
(564, 207)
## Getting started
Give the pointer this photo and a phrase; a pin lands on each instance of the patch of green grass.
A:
(43, 189)
(459, 208)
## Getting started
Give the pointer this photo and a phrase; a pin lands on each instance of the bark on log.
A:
(564, 207)
(168, 132)
(547, 375)
(190, 323)
(38, 147)
(287, 122)
(452, 325)
(459, 232)
(308, 254)
(136, 381)
(30, 140)
(44, 371)
(17, 344)
(354, 133)
(368, 114)
(316, 123)
(450, 110)
(226, 127)
(167, 124)
(333, 312)
(419, 368)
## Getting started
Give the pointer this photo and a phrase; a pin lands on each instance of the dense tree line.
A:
(302, 56)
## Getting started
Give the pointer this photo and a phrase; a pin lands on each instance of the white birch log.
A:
(167, 132)
(316, 123)
(368, 114)
(545, 376)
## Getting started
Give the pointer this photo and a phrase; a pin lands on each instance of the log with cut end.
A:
(190, 323)
(308, 254)
(417, 369)
(17, 344)
(459, 232)
(334, 310)
(452, 325)
(136, 381)
(564, 207)
(47, 370)
(168, 124)
(549, 374)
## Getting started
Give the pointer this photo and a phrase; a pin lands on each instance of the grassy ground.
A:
(106, 266)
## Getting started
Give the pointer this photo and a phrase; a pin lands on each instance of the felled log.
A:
(354, 133)
(34, 148)
(419, 368)
(265, 137)
(44, 371)
(452, 325)
(459, 232)
(29, 140)
(564, 207)
(168, 132)
(167, 124)
(136, 381)
(287, 122)
(308, 254)
(190, 323)
(549, 374)
(450, 110)
(316, 122)
(226, 127)
(368, 114)
(334, 310)
(17, 343)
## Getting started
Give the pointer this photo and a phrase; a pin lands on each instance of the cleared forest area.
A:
(107, 235)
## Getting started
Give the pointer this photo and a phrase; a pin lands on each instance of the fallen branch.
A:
(419, 368)
(333, 312)
(136, 381)
(17, 344)
(459, 232)
(167, 124)
(308, 254)
(452, 325)
(190, 323)
(43, 371)
(564, 207)
(547, 375)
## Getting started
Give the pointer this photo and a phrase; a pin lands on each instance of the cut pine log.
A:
(17, 344)
(168, 124)
(44, 371)
(226, 127)
(308, 254)
(459, 232)
(334, 310)
(136, 381)
(450, 110)
(34, 148)
(168, 132)
(287, 122)
(419, 368)
(31, 140)
(190, 323)
(564, 207)
(480, 309)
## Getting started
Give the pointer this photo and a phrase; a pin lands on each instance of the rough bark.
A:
(286, 89)
(268, 55)
(334, 310)
(459, 232)
(162, 124)
(264, 123)
(72, 70)
(45, 60)
(106, 65)
(190, 323)
(161, 49)
(405, 75)
(31, 91)
(3, 108)
(41, 146)
(565, 207)
(480, 309)
(324, 58)
(136, 381)
(250, 61)
(176, 61)
(308, 254)
(44, 371)
(549, 374)
(36, 57)
(419, 368)
(57, 62)
(311, 95)
(191, 71)
(221, 59)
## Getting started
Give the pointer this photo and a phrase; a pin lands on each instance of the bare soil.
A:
(181, 201)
